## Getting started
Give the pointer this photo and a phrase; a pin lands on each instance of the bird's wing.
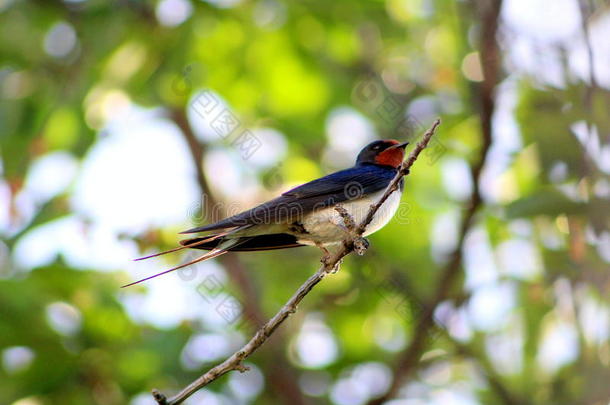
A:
(335, 188)
(346, 184)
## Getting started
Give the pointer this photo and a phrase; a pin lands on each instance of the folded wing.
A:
(335, 188)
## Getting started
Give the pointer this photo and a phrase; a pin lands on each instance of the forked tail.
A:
(218, 251)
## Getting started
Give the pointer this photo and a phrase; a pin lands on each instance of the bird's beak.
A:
(400, 145)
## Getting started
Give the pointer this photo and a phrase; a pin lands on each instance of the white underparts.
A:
(326, 226)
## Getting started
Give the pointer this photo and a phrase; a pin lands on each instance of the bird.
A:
(306, 215)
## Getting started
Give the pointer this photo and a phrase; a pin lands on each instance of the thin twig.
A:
(234, 362)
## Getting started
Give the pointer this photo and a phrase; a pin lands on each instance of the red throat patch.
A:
(390, 157)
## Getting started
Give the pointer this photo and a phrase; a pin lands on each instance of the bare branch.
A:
(235, 361)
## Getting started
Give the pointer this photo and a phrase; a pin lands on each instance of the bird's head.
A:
(388, 152)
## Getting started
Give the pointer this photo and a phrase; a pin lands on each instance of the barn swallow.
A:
(306, 215)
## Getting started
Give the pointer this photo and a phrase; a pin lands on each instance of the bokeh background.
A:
(489, 287)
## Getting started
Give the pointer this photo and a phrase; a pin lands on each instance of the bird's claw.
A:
(335, 268)
(328, 265)
(325, 260)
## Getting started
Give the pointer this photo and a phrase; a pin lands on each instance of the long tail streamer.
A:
(209, 255)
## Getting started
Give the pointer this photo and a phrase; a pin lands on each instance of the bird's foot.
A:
(329, 266)
(334, 269)
(325, 260)
(361, 245)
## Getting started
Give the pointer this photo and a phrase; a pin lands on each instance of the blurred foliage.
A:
(68, 333)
